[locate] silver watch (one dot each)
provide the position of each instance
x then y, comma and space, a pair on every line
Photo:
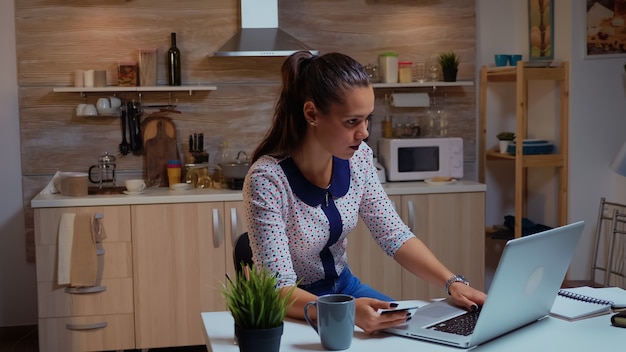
453, 279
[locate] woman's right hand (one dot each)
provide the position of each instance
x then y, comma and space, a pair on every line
370, 320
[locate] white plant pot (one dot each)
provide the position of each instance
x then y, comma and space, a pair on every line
503, 146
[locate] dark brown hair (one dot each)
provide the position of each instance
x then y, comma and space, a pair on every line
324, 80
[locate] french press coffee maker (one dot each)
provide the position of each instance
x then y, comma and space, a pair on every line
106, 171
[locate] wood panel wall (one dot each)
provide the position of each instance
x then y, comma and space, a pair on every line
56, 37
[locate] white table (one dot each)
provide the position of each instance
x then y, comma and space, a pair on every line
549, 334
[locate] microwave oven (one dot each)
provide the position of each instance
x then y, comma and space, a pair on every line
416, 159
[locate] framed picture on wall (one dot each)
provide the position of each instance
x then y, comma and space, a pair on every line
541, 33
605, 28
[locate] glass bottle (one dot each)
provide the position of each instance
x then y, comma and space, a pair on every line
223, 155
173, 63
437, 118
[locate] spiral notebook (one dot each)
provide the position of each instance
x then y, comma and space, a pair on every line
585, 302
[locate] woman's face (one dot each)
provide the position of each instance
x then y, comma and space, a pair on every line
342, 130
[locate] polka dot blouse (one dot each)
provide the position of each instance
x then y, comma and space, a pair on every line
288, 227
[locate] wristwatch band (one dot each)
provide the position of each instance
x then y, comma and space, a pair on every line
453, 279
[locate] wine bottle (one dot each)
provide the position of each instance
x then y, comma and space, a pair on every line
173, 63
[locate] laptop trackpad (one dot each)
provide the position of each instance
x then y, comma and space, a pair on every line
435, 312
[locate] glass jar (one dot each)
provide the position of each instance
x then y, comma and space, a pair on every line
438, 123
405, 71
407, 130
372, 71
197, 175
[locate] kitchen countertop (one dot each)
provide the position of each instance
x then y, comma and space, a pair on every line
164, 195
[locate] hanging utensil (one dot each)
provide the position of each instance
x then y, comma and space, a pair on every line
137, 131
124, 146
130, 112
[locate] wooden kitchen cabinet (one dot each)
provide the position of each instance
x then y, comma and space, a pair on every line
178, 260
451, 225
158, 280
85, 321
180, 255
165, 264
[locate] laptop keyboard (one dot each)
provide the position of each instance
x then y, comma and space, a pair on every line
460, 325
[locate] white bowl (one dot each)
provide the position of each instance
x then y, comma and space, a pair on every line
180, 186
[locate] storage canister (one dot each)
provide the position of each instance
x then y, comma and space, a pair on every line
405, 71
148, 67
388, 63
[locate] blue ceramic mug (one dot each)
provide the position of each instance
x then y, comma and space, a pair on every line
502, 59
514, 59
335, 320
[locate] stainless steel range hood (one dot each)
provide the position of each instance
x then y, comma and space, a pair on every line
260, 35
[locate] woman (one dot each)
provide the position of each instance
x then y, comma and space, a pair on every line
312, 177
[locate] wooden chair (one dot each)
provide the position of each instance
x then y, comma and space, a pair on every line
242, 253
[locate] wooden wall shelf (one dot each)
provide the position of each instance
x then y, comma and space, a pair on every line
114, 89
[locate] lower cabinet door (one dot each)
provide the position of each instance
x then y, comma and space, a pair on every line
179, 262
452, 225
88, 333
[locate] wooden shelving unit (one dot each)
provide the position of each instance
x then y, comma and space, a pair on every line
521, 75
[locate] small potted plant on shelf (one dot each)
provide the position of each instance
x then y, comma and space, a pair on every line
257, 308
505, 139
449, 62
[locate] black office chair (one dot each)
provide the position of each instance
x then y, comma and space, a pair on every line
242, 253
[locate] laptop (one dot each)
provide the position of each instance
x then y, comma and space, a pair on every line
524, 287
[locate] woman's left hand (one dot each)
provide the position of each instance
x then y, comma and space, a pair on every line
368, 317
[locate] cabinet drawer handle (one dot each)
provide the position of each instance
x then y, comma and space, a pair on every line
100, 325
82, 290
411, 215
234, 231
218, 230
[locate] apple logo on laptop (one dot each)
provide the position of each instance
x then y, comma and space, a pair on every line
533, 281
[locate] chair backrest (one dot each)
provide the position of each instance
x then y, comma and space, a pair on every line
616, 264
242, 253
605, 262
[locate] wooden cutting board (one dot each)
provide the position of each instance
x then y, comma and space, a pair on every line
159, 150
149, 127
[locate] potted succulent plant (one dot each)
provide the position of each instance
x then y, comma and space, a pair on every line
505, 139
257, 308
449, 62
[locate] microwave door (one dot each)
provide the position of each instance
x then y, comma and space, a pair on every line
419, 159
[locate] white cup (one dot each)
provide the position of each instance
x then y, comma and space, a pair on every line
79, 78
88, 78
86, 110
80, 109
103, 103
116, 102
135, 185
